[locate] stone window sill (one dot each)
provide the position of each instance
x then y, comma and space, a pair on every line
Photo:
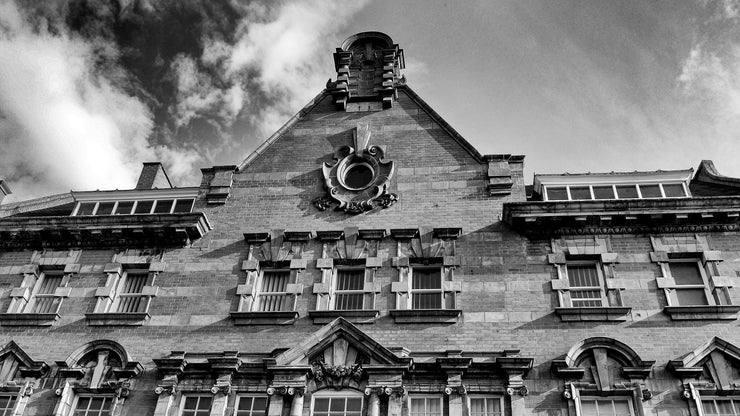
424, 316
117, 318
702, 312
28, 319
357, 316
603, 313
264, 318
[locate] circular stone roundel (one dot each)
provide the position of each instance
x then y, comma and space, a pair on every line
358, 179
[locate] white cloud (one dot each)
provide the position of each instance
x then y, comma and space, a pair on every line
287, 47
63, 125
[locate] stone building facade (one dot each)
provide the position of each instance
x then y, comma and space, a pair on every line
366, 260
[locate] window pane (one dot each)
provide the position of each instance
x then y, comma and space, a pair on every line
321, 405
650, 191
673, 191
427, 301
585, 298
183, 205
426, 279
86, 208
205, 403
105, 208
164, 206
691, 297
349, 301
627, 191
350, 279
603, 192
144, 207
686, 273
354, 404
580, 192
583, 275
124, 207
557, 194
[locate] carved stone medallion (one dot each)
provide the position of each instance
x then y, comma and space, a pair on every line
358, 180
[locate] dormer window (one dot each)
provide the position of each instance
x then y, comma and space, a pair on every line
636, 185
136, 202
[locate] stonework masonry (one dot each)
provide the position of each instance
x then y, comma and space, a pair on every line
205, 322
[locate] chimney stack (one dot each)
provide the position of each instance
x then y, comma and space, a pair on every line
153, 176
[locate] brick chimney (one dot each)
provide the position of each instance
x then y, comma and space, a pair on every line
153, 176
4, 190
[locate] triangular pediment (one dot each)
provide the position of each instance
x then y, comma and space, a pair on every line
14, 362
716, 362
340, 343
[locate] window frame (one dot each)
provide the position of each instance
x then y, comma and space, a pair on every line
78, 396
600, 276
13, 399
498, 398
438, 397
615, 194
345, 393
257, 305
413, 292
588, 397
114, 211
252, 396
714, 397
120, 295
702, 273
185, 396
335, 292
31, 306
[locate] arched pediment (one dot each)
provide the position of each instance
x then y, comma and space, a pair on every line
100, 361
603, 362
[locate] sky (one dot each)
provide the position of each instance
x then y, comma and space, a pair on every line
90, 89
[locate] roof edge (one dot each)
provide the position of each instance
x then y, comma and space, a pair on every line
444, 124
707, 173
262, 148
36, 204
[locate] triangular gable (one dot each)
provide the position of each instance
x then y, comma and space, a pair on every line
717, 358
14, 359
454, 134
339, 343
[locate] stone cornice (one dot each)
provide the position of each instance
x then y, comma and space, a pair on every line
97, 231
625, 216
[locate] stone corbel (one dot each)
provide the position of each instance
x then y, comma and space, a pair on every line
499, 176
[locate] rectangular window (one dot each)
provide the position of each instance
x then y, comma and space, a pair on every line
720, 407
586, 284
250, 406
144, 207
485, 406
337, 406
650, 191
580, 192
691, 282
86, 208
7, 404
674, 191
129, 293
124, 207
44, 299
349, 294
426, 288
105, 208
183, 205
627, 191
196, 406
164, 206
557, 193
426, 406
93, 406
607, 406
603, 192
273, 296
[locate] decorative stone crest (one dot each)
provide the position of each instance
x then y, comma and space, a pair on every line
337, 375
358, 180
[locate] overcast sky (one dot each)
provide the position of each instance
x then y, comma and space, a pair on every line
90, 89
